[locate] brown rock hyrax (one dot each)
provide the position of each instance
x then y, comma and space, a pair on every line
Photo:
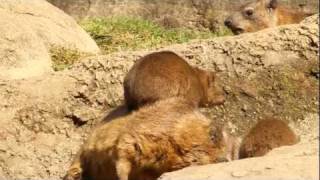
265, 136
164, 74
262, 14
161, 137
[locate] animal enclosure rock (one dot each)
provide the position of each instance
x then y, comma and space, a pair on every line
287, 163
29, 29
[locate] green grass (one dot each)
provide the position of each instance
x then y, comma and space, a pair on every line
125, 33
63, 58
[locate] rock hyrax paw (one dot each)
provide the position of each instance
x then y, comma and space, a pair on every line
73, 174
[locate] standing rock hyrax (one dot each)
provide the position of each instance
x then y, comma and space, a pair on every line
265, 136
165, 136
262, 14
164, 74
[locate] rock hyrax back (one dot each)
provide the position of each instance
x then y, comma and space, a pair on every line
165, 136
265, 136
164, 74
262, 14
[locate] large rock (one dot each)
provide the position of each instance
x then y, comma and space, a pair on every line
22, 51
299, 162
28, 30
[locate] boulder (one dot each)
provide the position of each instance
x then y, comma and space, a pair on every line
298, 162
28, 30
22, 51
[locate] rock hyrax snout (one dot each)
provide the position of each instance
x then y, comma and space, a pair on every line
262, 14
161, 137
266, 135
164, 74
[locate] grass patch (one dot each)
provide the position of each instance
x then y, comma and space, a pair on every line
126, 33
63, 57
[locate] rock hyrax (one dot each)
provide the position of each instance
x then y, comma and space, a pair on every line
164, 74
165, 136
262, 14
265, 136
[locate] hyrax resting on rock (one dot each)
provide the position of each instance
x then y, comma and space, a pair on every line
263, 14
164, 74
266, 135
164, 136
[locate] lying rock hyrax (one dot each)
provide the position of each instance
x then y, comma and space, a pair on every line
164, 74
162, 137
265, 136
263, 14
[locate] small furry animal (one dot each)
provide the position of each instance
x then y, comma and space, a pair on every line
165, 136
262, 14
266, 135
164, 74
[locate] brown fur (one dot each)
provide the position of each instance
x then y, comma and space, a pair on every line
165, 136
118, 112
263, 14
164, 74
265, 136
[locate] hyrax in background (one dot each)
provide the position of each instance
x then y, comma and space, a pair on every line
164, 74
165, 136
262, 14
266, 135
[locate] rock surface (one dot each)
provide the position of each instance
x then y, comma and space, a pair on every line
45, 119
28, 30
289, 165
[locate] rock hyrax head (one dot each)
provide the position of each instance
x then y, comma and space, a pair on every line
213, 93
253, 16
266, 135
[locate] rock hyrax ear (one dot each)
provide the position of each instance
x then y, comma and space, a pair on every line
217, 135
266, 135
273, 4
